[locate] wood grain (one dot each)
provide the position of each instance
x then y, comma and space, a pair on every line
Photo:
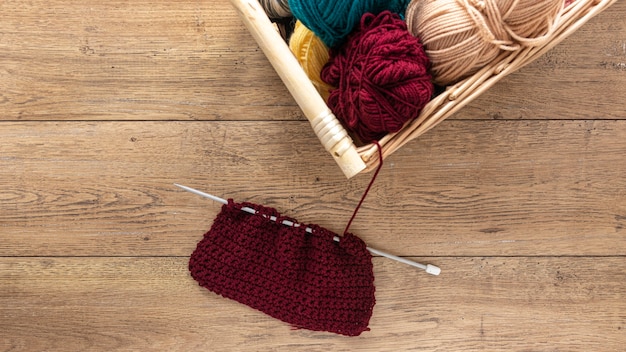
123, 304
193, 60
520, 198
471, 188
168, 60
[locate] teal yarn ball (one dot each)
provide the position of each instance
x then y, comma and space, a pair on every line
333, 20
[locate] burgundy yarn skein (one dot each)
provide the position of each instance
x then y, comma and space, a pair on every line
382, 77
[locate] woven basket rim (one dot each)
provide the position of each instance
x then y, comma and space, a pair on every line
456, 96
352, 159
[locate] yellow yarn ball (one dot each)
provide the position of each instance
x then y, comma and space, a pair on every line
312, 54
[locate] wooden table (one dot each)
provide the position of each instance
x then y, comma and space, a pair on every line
520, 198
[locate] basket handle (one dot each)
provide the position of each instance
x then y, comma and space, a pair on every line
328, 129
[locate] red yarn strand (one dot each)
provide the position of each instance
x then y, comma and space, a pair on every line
369, 186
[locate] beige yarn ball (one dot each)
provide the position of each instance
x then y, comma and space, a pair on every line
462, 36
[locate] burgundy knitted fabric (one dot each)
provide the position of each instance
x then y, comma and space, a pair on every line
305, 279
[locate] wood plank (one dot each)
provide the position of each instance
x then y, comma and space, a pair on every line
495, 304
98, 102
193, 60
478, 188
93, 60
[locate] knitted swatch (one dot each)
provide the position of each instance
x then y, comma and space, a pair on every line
305, 279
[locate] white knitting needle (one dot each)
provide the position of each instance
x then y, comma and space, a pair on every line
429, 268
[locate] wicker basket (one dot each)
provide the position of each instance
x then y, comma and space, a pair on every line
352, 159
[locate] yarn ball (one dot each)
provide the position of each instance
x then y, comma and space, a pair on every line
333, 20
312, 54
382, 75
462, 36
276, 9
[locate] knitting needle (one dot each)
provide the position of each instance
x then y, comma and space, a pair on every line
429, 268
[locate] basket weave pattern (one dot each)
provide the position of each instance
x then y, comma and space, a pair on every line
445, 104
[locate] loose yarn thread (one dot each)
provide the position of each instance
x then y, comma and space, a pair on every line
333, 20
462, 36
312, 54
382, 77
369, 187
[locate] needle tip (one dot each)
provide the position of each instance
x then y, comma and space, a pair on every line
433, 270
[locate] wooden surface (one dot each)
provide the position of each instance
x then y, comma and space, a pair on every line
520, 198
